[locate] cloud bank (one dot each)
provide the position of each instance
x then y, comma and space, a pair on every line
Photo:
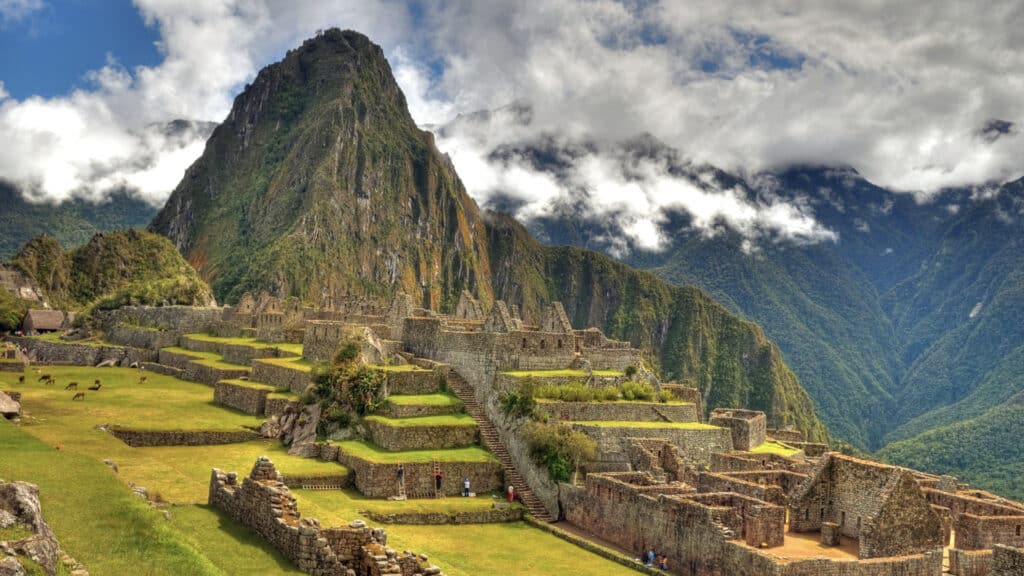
918, 96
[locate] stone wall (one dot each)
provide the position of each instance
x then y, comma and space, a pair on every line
276, 406
394, 410
619, 411
197, 371
244, 355
1007, 561
178, 360
263, 503
176, 319
43, 352
140, 337
983, 532
321, 339
970, 562
786, 435
377, 480
411, 381
697, 443
136, 438
292, 379
248, 399
400, 438
712, 482
749, 428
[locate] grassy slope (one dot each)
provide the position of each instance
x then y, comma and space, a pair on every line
445, 420
374, 453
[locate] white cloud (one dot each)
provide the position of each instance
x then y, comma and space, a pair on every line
14, 10
906, 94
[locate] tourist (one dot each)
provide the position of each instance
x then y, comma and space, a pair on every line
664, 563
511, 493
650, 558
465, 487
401, 474
438, 476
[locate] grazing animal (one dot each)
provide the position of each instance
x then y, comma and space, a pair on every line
21, 379
95, 386
96, 382
142, 379
45, 377
79, 396
72, 386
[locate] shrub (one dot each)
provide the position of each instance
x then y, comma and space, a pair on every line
608, 393
348, 351
665, 396
630, 371
559, 448
517, 405
637, 391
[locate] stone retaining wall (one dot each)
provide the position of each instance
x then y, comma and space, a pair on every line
11, 365
411, 382
393, 410
492, 516
162, 369
137, 438
619, 411
178, 360
197, 345
248, 399
209, 375
970, 562
400, 438
139, 337
71, 354
281, 377
244, 355
178, 319
1007, 561
698, 443
381, 480
298, 482
277, 406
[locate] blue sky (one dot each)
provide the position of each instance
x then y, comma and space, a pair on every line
49, 52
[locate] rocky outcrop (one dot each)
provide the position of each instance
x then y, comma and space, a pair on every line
9, 407
20, 507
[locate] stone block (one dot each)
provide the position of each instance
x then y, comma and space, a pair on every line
829, 534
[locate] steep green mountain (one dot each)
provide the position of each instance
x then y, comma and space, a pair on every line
111, 270
72, 223
320, 183
985, 450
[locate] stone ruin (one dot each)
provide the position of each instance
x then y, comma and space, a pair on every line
20, 508
262, 502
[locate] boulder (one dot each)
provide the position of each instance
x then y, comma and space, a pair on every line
21, 500
9, 408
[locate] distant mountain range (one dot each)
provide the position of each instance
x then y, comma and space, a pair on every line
907, 328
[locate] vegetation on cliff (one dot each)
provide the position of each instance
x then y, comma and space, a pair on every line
111, 270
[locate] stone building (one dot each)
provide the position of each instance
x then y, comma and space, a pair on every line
749, 428
881, 507
43, 321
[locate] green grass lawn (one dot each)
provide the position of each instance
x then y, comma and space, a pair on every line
444, 420
621, 401
773, 447
567, 373
424, 400
345, 505
303, 364
373, 453
287, 347
626, 424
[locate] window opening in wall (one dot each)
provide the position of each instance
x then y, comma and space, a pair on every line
541, 344
842, 521
524, 343
858, 522
821, 514
807, 514
559, 343
1018, 530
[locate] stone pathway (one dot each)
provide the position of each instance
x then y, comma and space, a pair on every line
489, 437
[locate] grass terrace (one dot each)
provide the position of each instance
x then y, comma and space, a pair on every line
658, 425
445, 420
254, 385
424, 400
567, 373
296, 363
344, 505
374, 453
288, 347
193, 353
774, 447
220, 364
398, 368
55, 338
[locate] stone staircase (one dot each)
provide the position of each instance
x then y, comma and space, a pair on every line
491, 441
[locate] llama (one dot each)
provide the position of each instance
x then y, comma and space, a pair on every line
79, 396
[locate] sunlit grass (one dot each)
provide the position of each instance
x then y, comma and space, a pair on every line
373, 453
